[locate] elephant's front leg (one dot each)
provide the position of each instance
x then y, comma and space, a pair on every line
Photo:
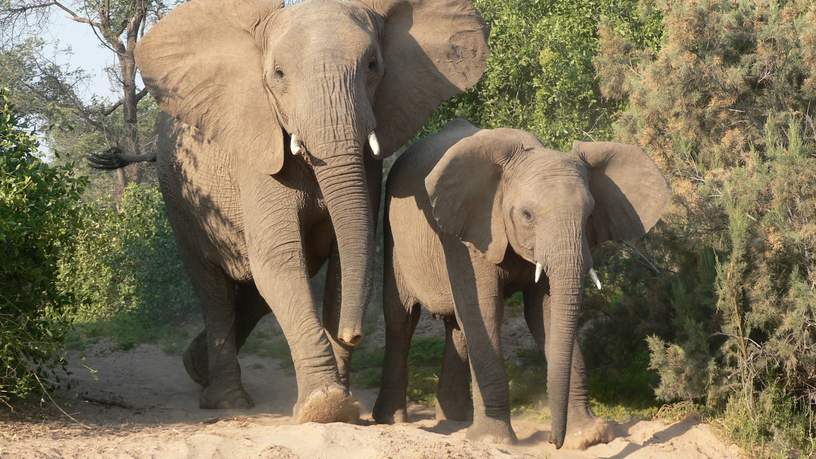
584, 429
479, 305
276, 257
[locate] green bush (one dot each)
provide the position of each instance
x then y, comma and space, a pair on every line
124, 273
725, 107
39, 206
540, 75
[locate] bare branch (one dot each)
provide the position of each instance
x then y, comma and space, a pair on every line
101, 26
72, 15
112, 108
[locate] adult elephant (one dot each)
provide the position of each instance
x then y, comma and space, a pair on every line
268, 163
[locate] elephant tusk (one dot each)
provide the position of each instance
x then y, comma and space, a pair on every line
295, 145
538, 270
594, 276
374, 144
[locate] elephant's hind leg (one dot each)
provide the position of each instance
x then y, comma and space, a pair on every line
401, 317
453, 401
196, 361
217, 292
251, 308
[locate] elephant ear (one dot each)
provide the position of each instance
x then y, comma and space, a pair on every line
433, 50
465, 187
630, 192
202, 64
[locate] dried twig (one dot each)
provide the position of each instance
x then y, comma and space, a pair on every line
106, 401
48, 394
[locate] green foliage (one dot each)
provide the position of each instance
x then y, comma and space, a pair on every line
123, 273
770, 423
424, 364
540, 75
725, 108
39, 205
269, 342
366, 367
617, 391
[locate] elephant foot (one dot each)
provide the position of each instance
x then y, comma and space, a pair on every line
389, 411
585, 430
195, 360
329, 404
492, 431
234, 398
454, 408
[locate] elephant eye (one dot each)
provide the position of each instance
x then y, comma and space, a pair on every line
372, 66
527, 215
279, 73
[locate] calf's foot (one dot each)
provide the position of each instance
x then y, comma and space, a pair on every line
388, 409
491, 430
454, 408
584, 429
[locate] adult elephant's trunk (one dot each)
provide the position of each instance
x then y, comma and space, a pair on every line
566, 263
342, 180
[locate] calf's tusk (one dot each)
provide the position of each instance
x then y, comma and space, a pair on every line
538, 270
374, 144
594, 276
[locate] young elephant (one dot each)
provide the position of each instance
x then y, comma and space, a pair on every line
475, 215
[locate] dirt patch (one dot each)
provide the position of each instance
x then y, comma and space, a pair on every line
140, 403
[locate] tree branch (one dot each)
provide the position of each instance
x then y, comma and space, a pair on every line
73, 100
72, 15
112, 108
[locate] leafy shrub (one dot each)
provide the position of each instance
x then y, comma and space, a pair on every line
540, 75
725, 108
124, 269
39, 205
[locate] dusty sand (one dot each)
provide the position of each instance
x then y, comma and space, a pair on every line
140, 403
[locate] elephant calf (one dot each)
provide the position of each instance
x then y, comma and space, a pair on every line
473, 216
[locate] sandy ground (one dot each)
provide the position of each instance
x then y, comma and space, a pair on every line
140, 403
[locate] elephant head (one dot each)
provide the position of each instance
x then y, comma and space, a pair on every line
322, 80
501, 187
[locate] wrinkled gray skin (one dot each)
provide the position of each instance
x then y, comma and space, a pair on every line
254, 221
469, 213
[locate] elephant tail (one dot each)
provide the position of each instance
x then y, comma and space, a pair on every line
114, 158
